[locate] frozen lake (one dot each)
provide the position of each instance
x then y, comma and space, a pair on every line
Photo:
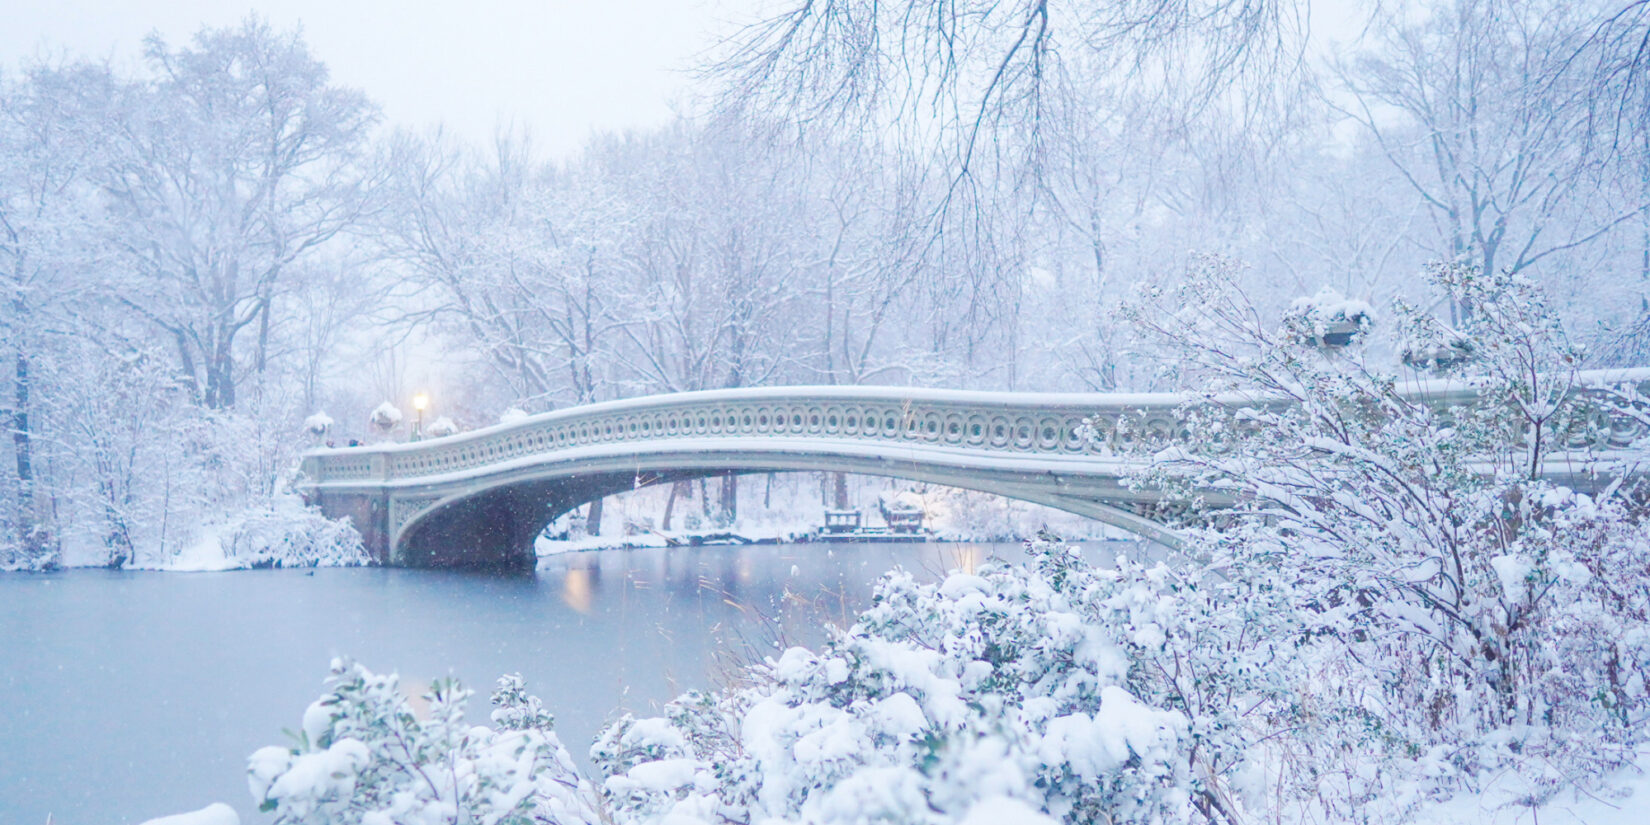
131, 694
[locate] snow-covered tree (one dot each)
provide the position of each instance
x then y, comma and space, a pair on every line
1478, 616
1487, 108
235, 160
509, 259
52, 134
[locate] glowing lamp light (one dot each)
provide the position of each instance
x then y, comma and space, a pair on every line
421, 402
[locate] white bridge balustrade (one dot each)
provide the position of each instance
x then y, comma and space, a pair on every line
478, 499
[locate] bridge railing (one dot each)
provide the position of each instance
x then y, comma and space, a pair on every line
1047, 424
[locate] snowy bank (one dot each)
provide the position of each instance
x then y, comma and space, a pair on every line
785, 506
216, 813
283, 534
1623, 800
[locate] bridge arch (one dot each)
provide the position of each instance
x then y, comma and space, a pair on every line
493, 521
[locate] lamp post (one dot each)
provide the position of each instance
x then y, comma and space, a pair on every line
421, 402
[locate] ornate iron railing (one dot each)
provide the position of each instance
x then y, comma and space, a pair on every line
1009, 424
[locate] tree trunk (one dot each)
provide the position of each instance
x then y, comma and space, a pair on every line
186, 362
220, 380
1644, 269
118, 538
670, 503
841, 491
22, 443
263, 348
730, 499
29, 536
593, 519
263, 336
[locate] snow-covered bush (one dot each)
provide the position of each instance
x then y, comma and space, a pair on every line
1462, 614
1058, 690
512, 415
441, 428
285, 535
128, 466
1426, 343
31, 549
364, 755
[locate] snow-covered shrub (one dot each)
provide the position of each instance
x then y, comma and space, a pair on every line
291, 536
364, 755
131, 465
512, 415
1462, 614
441, 428
31, 549
1058, 690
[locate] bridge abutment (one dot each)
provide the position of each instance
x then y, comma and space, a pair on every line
369, 512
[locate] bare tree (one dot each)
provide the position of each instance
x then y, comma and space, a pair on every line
238, 158
1485, 112
511, 258
710, 258
1618, 51
976, 77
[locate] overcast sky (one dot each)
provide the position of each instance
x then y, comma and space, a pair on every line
563, 68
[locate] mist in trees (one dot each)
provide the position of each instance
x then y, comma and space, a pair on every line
161, 234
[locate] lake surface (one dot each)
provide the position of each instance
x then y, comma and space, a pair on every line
129, 695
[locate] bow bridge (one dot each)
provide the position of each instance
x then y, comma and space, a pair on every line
479, 499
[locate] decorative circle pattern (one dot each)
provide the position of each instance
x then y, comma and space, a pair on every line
1026, 427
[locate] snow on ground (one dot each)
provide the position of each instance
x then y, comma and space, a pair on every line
1001, 810
764, 533
283, 534
216, 813
1630, 805
1627, 803
787, 505
205, 553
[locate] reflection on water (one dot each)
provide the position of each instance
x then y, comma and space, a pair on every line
575, 589
965, 557
133, 695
